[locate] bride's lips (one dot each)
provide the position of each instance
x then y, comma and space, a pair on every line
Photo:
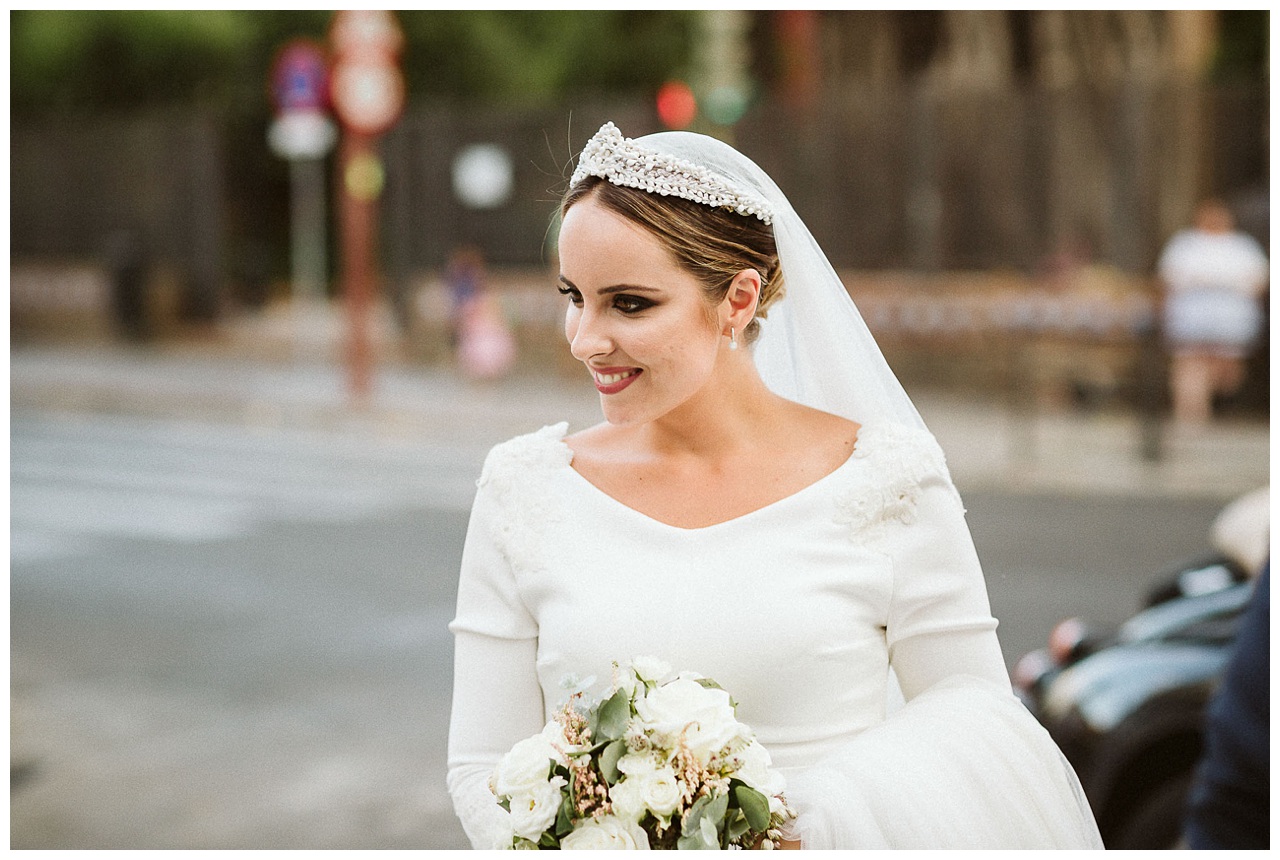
611, 380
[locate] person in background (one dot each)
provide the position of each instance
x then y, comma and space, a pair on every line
1213, 276
463, 277
481, 339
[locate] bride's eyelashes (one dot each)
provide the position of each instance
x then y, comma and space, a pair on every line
625, 303
574, 296
631, 304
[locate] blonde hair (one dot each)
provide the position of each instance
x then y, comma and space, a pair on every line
711, 244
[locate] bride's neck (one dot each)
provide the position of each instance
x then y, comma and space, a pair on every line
726, 415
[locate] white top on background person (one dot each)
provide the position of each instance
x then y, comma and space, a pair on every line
1213, 275
763, 506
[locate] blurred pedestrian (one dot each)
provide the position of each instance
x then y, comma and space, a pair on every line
482, 341
463, 278
1213, 276
1230, 802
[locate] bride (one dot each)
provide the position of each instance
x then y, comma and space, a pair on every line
762, 505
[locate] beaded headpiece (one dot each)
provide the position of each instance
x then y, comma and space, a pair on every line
622, 161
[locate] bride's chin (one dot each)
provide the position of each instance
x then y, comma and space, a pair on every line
624, 416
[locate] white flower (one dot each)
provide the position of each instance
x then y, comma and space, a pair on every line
755, 769
650, 669
535, 810
646, 786
661, 792
625, 681
553, 733
637, 764
704, 715
628, 804
607, 832
526, 767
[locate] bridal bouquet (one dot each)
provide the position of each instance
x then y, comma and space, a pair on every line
653, 764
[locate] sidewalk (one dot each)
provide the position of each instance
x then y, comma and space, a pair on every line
988, 445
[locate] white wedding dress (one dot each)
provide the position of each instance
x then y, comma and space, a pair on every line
800, 610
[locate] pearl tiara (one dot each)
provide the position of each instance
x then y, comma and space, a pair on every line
622, 161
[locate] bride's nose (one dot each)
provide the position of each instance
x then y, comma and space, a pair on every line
588, 336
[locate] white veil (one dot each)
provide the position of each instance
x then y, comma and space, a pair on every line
814, 347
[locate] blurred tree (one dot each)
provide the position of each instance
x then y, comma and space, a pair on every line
1243, 46
541, 55
88, 60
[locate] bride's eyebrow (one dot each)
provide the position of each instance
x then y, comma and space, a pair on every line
616, 288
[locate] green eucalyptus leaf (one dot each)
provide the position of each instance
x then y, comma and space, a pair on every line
717, 809
548, 841
609, 761
754, 805
710, 835
700, 838
736, 826
613, 717
564, 818
689, 824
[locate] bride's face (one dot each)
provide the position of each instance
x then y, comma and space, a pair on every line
640, 323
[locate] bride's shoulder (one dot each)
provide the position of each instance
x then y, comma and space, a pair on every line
897, 462
889, 440
527, 454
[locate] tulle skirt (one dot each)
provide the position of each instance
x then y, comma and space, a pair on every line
963, 765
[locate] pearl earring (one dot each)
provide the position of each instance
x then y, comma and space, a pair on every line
733, 338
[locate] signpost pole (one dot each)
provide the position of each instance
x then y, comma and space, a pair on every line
368, 95
303, 134
360, 188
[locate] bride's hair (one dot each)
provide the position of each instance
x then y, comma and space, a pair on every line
712, 244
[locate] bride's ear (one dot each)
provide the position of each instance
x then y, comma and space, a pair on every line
739, 306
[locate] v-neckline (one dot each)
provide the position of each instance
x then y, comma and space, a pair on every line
581, 479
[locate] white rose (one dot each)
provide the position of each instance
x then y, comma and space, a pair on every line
627, 799
608, 832
637, 764
525, 767
650, 669
535, 810
661, 792
703, 714
755, 769
646, 786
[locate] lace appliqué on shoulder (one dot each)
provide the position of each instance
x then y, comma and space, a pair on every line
515, 473
896, 460
532, 452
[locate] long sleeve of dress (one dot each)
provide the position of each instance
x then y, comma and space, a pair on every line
940, 621
962, 764
496, 697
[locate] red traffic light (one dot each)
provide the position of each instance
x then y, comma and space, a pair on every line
677, 105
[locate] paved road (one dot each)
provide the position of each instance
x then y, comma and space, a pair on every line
234, 637
227, 638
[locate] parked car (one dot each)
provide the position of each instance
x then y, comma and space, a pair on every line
1127, 708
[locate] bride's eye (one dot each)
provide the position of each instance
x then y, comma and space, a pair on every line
631, 304
574, 296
